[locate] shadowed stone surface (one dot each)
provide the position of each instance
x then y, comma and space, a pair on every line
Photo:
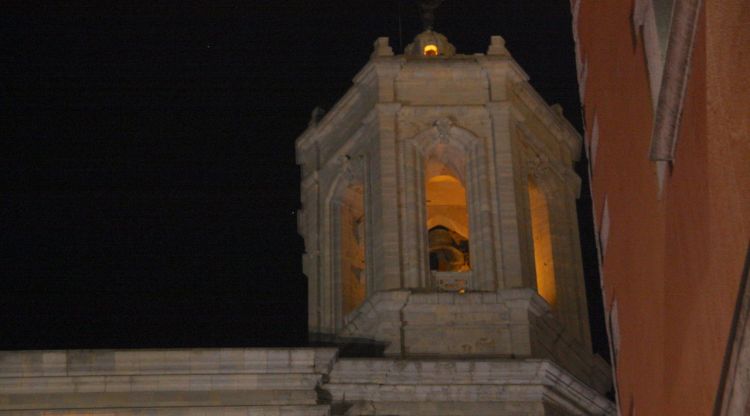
282, 382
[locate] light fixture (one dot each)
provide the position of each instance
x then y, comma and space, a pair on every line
430, 50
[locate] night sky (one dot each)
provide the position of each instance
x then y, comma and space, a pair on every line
149, 186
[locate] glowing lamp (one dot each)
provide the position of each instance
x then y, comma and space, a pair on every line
430, 50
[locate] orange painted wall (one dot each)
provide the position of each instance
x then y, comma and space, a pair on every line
672, 262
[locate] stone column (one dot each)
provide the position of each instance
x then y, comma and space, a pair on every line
387, 247
508, 249
413, 230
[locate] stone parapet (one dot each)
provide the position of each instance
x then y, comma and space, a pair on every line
272, 381
284, 382
461, 387
26, 364
320, 410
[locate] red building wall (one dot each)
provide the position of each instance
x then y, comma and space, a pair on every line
672, 260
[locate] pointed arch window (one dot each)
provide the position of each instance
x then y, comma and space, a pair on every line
352, 247
544, 264
447, 213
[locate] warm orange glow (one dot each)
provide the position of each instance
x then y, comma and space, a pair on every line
446, 204
443, 178
447, 219
430, 50
540, 230
353, 281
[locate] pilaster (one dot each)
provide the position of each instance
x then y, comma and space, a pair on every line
509, 247
387, 247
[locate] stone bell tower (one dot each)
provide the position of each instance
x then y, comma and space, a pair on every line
438, 212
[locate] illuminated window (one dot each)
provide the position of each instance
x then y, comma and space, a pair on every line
430, 50
447, 218
353, 281
540, 231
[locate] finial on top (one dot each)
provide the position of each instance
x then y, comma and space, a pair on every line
382, 48
497, 46
427, 8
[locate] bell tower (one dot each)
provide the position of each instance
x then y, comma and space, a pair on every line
438, 212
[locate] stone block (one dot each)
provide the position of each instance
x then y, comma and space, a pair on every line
90, 362
53, 363
126, 362
230, 358
255, 359
278, 360
204, 360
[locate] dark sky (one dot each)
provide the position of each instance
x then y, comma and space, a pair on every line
148, 180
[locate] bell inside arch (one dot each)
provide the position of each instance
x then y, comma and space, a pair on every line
449, 251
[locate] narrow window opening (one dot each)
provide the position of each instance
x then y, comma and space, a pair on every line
447, 219
353, 279
541, 235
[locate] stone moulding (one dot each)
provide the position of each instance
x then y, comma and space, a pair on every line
255, 381
279, 381
479, 387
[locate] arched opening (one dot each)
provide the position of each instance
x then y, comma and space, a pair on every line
430, 50
352, 238
447, 216
541, 235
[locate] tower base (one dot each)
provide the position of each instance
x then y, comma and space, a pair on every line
513, 323
361, 386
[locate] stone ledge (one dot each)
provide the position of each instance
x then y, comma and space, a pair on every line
435, 392
313, 410
367, 408
134, 383
413, 371
529, 381
188, 361
33, 401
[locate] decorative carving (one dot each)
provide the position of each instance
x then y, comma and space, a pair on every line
445, 132
537, 164
443, 126
351, 166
